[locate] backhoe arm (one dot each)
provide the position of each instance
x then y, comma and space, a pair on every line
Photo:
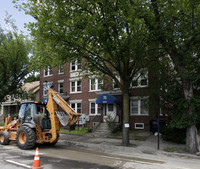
69, 116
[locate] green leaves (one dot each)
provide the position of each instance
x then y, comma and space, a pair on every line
14, 62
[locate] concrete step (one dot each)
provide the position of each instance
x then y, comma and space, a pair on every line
102, 129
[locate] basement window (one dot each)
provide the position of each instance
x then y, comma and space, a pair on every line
139, 125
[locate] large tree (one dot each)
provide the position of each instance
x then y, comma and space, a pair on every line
14, 60
175, 26
106, 34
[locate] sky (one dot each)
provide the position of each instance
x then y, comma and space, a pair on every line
19, 16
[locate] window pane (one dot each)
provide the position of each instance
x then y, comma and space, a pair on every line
79, 66
61, 69
100, 83
135, 83
79, 107
99, 108
78, 86
92, 108
110, 107
73, 65
73, 86
134, 107
144, 106
45, 72
92, 84
60, 87
50, 71
143, 82
73, 105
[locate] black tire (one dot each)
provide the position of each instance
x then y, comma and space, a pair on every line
26, 138
4, 138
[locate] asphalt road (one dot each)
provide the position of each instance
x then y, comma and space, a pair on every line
65, 156
57, 157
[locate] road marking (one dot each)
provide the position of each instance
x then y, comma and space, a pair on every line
16, 163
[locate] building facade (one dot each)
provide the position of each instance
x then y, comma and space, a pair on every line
12, 104
81, 93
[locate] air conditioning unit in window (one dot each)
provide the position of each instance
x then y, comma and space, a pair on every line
139, 125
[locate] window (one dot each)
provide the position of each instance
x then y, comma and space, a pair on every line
76, 106
60, 86
46, 86
94, 108
48, 71
139, 106
96, 84
110, 107
61, 69
75, 65
115, 86
141, 79
75, 86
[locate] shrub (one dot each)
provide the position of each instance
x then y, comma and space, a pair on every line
174, 135
113, 126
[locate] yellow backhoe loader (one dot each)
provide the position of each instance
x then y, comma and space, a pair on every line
38, 122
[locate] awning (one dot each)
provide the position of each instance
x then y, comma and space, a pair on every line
45, 100
106, 98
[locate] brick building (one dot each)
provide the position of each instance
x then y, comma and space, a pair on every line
81, 93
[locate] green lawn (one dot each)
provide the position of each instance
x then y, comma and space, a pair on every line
76, 131
1, 123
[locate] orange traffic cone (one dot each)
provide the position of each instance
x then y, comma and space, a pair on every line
36, 162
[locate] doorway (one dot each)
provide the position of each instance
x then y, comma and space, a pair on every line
109, 110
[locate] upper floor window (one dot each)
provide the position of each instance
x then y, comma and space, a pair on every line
75, 65
75, 86
96, 84
46, 86
61, 69
141, 79
115, 86
139, 106
60, 86
48, 71
94, 108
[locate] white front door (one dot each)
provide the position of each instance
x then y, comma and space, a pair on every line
109, 111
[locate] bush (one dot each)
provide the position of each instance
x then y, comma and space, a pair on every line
113, 126
174, 135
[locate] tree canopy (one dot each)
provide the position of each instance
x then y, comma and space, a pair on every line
14, 61
175, 26
107, 35
115, 37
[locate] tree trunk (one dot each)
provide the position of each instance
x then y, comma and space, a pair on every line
191, 146
125, 136
191, 139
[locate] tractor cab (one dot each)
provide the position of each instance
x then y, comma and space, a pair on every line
29, 109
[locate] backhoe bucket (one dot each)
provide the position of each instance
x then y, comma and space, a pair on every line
63, 118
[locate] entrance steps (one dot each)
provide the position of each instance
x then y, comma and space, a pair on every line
101, 131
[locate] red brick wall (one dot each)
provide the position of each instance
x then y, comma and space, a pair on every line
85, 95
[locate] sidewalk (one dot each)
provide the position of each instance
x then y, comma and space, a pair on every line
113, 145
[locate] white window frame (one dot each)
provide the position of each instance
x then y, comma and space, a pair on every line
76, 86
59, 82
139, 106
96, 84
76, 102
76, 64
142, 127
61, 67
49, 70
46, 85
139, 78
115, 83
96, 107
